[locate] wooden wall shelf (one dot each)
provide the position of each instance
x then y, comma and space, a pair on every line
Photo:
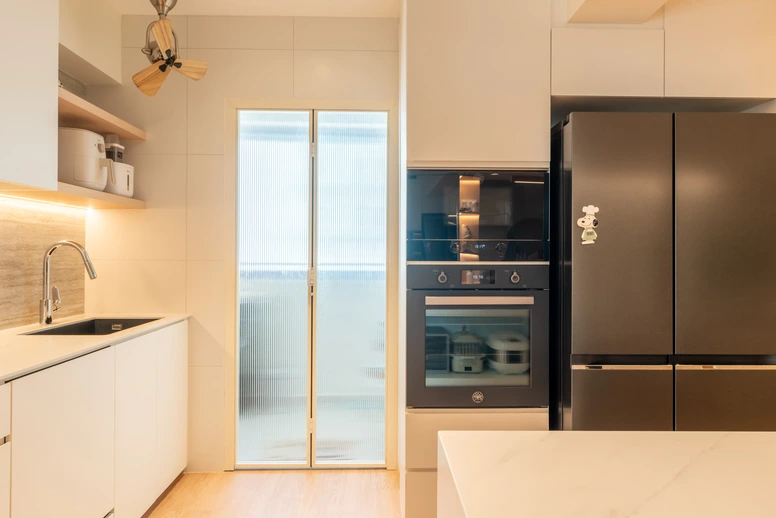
75, 112
75, 196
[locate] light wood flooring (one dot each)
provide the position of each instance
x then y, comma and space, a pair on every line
283, 494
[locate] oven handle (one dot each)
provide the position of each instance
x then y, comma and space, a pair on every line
479, 301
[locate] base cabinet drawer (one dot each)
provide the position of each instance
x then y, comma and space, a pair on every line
62, 440
5, 480
421, 494
622, 398
424, 425
726, 398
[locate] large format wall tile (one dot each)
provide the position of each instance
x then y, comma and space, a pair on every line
163, 117
205, 212
137, 287
346, 75
241, 32
249, 74
156, 233
205, 293
206, 419
346, 34
133, 29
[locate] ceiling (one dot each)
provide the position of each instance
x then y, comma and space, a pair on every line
345, 8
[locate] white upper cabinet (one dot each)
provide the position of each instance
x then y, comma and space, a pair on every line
28, 104
478, 83
607, 62
62, 446
720, 48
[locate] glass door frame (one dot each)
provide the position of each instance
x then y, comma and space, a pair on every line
233, 107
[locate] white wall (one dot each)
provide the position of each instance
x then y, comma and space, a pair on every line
170, 257
90, 40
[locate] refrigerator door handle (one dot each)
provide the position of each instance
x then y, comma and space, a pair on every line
479, 301
622, 367
726, 367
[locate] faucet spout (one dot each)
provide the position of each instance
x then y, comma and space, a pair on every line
47, 303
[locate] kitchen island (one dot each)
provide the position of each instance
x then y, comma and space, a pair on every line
606, 474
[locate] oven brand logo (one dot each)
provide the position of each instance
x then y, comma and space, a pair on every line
478, 397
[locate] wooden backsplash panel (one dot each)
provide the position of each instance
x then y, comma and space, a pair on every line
27, 229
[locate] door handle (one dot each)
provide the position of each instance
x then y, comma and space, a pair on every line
726, 367
479, 301
621, 367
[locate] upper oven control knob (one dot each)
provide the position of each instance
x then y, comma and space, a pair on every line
442, 278
515, 278
455, 247
501, 248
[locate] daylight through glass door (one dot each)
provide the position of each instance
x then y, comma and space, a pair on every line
312, 197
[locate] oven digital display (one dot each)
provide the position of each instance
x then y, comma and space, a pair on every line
478, 277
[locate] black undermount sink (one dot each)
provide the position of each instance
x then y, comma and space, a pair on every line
95, 326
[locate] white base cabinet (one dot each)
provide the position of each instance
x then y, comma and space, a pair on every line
62, 445
151, 417
172, 381
5, 480
422, 429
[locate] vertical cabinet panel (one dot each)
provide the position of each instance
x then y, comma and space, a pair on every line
136, 423
5, 410
63, 440
5, 480
421, 496
171, 403
725, 252
622, 286
732, 398
629, 398
478, 81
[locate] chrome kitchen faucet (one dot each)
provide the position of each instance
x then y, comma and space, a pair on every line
47, 304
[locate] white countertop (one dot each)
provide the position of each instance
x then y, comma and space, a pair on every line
606, 474
24, 354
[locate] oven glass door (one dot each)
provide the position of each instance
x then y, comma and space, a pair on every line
482, 346
477, 216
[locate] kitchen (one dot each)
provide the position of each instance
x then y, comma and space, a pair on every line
427, 153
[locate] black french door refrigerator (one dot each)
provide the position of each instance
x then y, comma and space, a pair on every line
662, 285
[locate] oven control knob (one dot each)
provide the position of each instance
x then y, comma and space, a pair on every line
455, 247
442, 278
515, 278
501, 248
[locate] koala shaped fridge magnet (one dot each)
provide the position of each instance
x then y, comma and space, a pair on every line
589, 223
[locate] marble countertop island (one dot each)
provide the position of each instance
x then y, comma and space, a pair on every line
606, 474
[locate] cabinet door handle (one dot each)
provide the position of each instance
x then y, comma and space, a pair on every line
726, 367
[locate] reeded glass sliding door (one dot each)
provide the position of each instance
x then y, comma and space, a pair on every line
312, 288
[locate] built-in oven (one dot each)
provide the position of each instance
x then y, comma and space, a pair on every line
474, 216
478, 335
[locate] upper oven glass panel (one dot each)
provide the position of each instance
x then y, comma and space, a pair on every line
477, 216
